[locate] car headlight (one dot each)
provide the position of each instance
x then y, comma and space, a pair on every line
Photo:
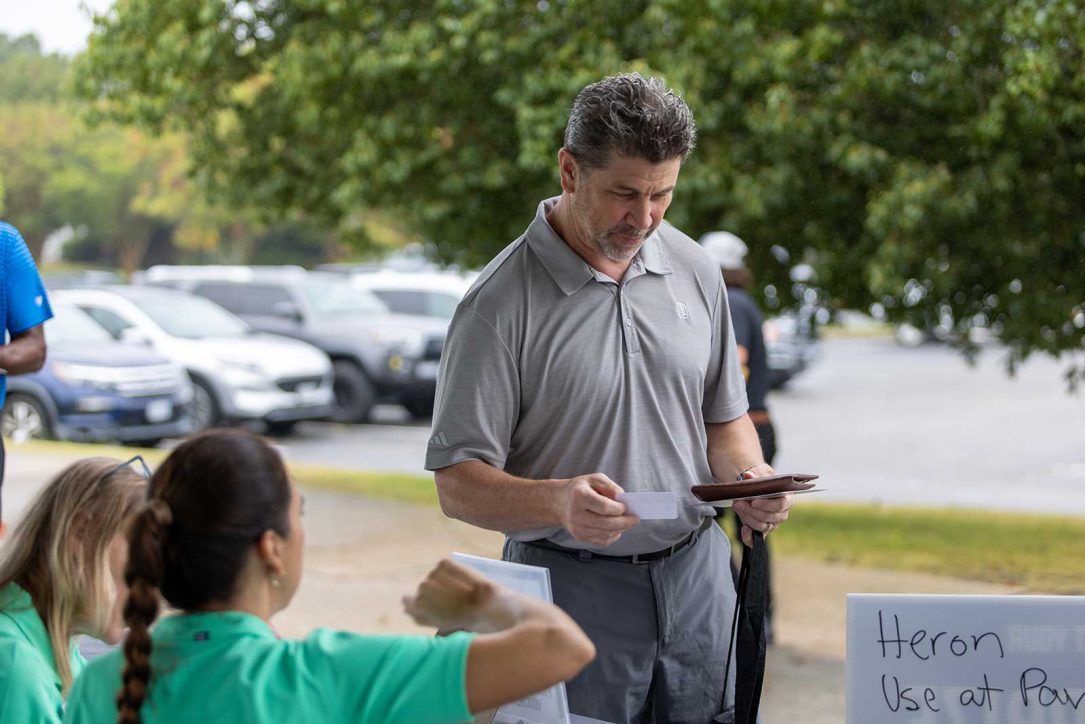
409, 342
246, 375
101, 378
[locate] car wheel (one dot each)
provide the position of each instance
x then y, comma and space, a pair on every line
24, 418
204, 410
353, 393
420, 406
281, 427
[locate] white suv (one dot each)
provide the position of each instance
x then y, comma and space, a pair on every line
237, 373
428, 293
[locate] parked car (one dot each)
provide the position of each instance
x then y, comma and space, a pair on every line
430, 293
377, 356
93, 388
791, 344
791, 336
80, 278
237, 372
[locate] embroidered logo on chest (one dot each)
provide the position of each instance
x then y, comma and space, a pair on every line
682, 309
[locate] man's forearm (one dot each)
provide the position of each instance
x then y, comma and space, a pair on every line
482, 495
732, 448
25, 353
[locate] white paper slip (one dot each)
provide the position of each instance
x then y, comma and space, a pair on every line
651, 506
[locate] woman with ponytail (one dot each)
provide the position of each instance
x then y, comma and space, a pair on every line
221, 539
61, 574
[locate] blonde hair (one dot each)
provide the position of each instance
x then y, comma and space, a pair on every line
58, 552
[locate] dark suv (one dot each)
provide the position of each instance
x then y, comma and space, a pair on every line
377, 356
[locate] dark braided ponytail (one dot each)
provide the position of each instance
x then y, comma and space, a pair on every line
143, 575
209, 502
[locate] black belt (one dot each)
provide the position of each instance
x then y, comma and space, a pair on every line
635, 559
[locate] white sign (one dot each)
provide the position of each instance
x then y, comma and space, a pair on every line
965, 659
547, 707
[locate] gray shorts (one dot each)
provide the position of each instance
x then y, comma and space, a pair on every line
661, 630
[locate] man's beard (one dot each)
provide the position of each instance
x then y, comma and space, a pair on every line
620, 252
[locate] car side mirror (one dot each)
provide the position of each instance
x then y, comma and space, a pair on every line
131, 335
286, 310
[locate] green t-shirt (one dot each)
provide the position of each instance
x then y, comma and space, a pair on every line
231, 667
30, 689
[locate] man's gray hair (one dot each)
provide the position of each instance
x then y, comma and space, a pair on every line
633, 116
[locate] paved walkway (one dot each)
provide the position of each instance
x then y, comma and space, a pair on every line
363, 554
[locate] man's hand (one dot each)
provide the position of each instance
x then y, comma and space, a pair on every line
761, 514
590, 512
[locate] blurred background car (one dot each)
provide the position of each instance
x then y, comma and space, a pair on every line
427, 293
791, 334
80, 278
95, 389
377, 355
237, 372
791, 344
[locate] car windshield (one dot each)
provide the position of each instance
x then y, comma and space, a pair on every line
71, 325
341, 300
189, 316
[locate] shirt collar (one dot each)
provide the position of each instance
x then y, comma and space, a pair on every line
651, 255
18, 606
189, 629
568, 270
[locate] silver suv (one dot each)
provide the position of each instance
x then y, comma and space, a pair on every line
377, 356
237, 373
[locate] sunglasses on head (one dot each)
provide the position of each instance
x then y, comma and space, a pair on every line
143, 468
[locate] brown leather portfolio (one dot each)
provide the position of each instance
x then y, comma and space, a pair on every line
754, 487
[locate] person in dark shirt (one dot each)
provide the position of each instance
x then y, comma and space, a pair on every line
729, 251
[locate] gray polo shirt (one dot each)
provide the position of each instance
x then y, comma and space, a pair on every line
552, 370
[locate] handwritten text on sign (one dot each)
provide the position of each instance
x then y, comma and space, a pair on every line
965, 659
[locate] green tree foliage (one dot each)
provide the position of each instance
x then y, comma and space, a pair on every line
116, 186
33, 142
926, 156
27, 74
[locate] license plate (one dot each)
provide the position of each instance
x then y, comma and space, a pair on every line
426, 370
158, 410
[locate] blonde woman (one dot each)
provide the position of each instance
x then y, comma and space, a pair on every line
61, 574
221, 539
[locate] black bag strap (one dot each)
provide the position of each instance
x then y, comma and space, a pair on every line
747, 644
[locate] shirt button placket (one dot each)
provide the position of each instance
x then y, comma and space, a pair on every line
632, 344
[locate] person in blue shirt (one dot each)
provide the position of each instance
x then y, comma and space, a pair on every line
24, 307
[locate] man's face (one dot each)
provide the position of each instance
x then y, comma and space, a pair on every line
617, 206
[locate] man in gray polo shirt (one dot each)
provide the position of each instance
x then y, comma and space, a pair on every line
593, 356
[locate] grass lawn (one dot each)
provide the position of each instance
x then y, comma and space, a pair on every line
1042, 553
